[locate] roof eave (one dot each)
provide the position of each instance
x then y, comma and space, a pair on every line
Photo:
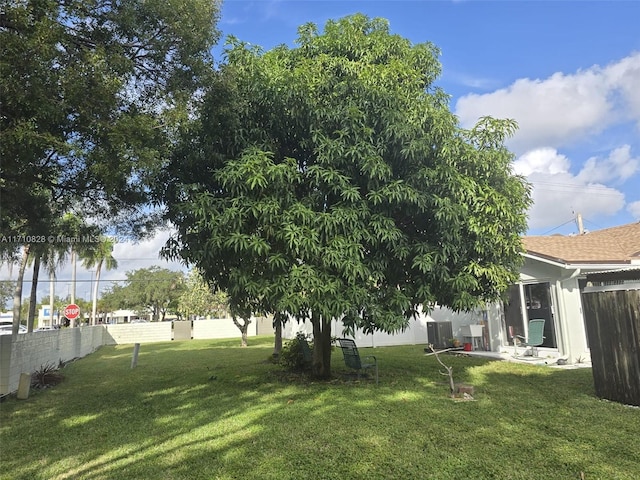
557, 262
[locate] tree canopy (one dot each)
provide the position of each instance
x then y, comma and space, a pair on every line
152, 290
199, 299
92, 93
6, 292
331, 180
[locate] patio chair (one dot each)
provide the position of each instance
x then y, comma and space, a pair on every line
535, 336
352, 357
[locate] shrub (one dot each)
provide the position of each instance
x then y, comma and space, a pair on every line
292, 355
47, 376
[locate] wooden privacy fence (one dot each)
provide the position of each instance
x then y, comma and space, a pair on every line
612, 316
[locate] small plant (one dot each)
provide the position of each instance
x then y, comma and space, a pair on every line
447, 373
454, 342
293, 357
47, 376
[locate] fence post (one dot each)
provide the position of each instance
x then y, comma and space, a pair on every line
134, 359
23, 386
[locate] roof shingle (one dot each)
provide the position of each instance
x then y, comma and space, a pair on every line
611, 245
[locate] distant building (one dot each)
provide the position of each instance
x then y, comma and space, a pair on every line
127, 316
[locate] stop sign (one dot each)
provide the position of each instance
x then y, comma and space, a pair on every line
71, 311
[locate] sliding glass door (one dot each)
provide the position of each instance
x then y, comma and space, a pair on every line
513, 315
527, 302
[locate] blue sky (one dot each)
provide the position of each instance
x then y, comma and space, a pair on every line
568, 72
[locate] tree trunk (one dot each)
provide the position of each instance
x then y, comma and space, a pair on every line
243, 327
17, 293
52, 295
277, 344
95, 294
321, 367
33, 299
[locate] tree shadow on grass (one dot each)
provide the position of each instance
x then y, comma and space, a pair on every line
552, 417
169, 419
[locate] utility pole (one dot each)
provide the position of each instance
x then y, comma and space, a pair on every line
52, 295
73, 280
73, 274
580, 225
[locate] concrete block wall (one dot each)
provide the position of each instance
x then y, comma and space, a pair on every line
138, 333
30, 351
416, 333
264, 325
5, 363
220, 328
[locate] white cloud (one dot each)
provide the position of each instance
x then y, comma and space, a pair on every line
483, 83
634, 209
134, 256
625, 76
558, 194
562, 108
619, 166
543, 160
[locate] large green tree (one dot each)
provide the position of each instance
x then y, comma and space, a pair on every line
331, 181
200, 299
113, 298
91, 95
152, 290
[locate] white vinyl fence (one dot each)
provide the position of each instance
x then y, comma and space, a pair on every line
414, 334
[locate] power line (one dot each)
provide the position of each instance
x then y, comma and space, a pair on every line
555, 228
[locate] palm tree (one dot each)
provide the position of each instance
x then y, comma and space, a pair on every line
98, 255
17, 294
53, 255
35, 258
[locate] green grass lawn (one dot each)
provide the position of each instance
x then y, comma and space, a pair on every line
168, 419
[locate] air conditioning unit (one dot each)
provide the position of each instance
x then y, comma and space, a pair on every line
439, 333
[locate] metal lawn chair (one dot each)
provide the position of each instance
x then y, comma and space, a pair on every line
535, 336
352, 357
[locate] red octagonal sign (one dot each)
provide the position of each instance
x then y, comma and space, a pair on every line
71, 311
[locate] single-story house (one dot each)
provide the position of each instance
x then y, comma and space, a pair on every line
550, 286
